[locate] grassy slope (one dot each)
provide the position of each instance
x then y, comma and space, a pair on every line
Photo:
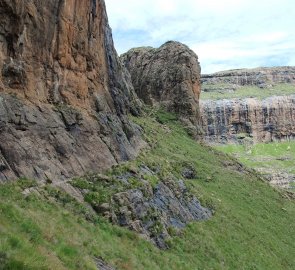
253, 225
267, 157
248, 91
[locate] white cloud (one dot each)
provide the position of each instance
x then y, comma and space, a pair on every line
225, 34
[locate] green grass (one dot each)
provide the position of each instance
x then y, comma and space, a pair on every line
217, 91
252, 227
278, 156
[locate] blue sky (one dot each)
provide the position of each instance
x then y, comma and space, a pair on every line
225, 34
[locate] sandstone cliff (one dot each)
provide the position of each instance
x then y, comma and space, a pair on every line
271, 119
168, 76
64, 95
261, 77
266, 118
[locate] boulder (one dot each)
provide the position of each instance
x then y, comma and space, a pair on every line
168, 77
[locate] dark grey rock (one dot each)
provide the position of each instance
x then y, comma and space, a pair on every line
189, 173
102, 265
59, 143
169, 205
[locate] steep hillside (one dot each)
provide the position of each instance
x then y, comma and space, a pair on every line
276, 161
105, 182
64, 95
252, 226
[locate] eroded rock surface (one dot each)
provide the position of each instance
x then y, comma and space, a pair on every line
64, 95
168, 76
156, 212
271, 119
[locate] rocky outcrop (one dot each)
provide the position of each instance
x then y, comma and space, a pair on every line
64, 95
156, 212
230, 80
101, 265
271, 119
279, 178
168, 76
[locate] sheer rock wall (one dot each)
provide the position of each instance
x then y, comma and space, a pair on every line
64, 96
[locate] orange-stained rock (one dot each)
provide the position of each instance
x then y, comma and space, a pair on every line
58, 52
64, 95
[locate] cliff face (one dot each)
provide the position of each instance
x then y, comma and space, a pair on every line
261, 77
268, 120
64, 95
168, 76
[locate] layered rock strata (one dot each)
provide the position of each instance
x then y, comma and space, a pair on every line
168, 77
230, 80
64, 95
271, 119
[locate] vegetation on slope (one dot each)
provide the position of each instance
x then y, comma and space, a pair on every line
252, 226
216, 92
267, 158
276, 155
